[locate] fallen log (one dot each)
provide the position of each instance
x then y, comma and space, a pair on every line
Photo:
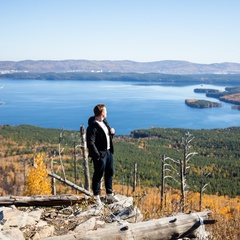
168, 228
73, 185
55, 200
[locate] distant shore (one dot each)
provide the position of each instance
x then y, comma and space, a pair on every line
230, 95
150, 78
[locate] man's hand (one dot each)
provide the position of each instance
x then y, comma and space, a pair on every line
112, 130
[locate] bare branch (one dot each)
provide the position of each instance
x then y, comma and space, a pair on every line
205, 187
169, 165
168, 176
171, 159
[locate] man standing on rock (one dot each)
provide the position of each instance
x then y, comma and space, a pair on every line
100, 147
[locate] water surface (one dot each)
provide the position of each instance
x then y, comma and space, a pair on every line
68, 104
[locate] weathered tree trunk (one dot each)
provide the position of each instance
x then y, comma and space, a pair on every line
75, 161
163, 182
184, 167
134, 177
53, 180
168, 228
41, 200
83, 190
60, 155
85, 159
182, 178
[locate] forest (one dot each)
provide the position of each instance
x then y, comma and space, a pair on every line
216, 161
160, 78
212, 179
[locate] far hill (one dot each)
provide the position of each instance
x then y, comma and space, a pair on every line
125, 66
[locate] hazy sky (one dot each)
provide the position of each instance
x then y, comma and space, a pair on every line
200, 31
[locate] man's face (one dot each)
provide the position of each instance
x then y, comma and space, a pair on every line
104, 113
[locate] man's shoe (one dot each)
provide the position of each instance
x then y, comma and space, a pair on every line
98, 200
112, 198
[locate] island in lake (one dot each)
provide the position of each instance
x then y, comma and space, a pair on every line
230, 95
201, 103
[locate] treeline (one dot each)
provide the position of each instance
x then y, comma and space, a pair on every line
226, 79
217, 156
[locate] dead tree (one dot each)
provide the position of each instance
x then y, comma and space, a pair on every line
181, 226
184, 167
181, 174
69, 183
167, 167
85, 158
60, 154
134, 177
54, 192
203, 186
75, 139
41, 200
163, 182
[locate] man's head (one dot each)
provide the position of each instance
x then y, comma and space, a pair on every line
100, 111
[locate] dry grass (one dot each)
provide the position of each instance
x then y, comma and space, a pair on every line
224, 209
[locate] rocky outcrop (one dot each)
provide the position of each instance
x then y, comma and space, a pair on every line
113, 221
42, 222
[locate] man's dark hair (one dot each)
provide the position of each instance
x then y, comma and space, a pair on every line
98, 109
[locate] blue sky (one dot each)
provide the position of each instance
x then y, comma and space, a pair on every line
200, 31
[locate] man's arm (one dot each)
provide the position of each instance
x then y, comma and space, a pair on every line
91, 139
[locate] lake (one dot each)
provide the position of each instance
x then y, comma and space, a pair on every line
131, 105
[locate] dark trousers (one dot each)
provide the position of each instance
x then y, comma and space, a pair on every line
103, 167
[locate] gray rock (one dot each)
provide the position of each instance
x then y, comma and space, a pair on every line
42, 223
13, 218
86, 225
44, 232
11, 234
34, 217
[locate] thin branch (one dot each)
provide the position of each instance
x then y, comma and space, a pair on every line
168, 176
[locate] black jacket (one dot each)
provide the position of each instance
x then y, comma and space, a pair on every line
96, 139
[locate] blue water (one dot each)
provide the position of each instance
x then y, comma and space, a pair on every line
130, 105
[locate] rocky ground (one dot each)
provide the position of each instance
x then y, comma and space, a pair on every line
43, 222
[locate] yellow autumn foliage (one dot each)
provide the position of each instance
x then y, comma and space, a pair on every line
38, 182
148, 200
